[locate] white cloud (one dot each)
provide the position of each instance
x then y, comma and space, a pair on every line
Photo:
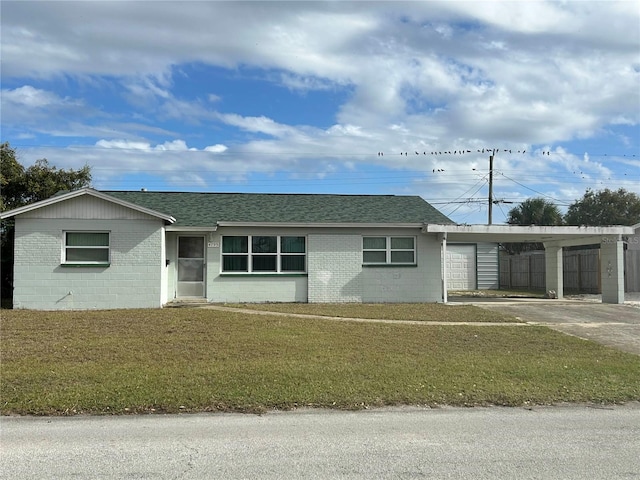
30, 97
257, 124
420, 76
176, 145
216, 148
125, 144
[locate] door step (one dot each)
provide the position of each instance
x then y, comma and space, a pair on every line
186, 302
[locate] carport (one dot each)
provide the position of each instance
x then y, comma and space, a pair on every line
554, 240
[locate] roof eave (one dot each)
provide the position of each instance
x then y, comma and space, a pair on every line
319, 225
190, 228
533, 229
560, 236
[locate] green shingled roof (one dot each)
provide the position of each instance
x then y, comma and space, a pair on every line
205, 209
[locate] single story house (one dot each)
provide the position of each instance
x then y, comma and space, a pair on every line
90, 249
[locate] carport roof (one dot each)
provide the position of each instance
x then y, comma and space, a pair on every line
561, 236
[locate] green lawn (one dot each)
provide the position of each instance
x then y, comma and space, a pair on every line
190, 360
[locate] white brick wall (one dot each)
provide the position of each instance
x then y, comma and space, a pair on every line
335, 265
133, 280
258, 289
422, 283
252, 288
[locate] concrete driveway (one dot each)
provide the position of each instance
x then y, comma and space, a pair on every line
616, 326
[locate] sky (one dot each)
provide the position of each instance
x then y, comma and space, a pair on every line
345, 97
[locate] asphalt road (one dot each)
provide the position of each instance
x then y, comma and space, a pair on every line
406, 443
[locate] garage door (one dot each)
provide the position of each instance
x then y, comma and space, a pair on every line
461, 267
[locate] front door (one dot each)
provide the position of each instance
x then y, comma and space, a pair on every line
191, 267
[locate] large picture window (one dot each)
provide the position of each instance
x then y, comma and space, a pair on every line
264, 254
389, 250
86, 248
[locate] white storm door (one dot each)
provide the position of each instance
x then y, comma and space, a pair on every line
461, 267
191, 266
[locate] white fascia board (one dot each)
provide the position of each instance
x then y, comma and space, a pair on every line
580, 241
85, 191
178, 228
526, 230
319, 225
568, 235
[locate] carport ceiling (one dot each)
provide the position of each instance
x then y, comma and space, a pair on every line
563, 236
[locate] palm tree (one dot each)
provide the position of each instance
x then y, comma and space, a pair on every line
534, 211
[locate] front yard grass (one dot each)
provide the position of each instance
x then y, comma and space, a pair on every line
193, 360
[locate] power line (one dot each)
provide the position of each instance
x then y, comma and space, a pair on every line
528, 188
453, 152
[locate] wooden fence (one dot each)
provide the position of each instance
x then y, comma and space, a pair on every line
581, 271
632, 271
522, 271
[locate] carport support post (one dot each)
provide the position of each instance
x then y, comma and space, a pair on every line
553, 269
612, 269
443, 239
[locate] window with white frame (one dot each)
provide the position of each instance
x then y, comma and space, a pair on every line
389, 250
88, 248
263, 254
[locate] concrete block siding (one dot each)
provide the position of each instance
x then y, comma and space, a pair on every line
335, 264
238, 289
338, 274
133, 279
137, 276
612, 271
335, 271
406, 284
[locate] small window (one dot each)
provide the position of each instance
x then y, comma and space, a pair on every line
389, 250
292, 254
235, 254
86, 248
264, 254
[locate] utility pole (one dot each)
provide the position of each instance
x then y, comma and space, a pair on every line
491, 188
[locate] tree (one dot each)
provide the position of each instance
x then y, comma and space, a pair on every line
20, 186
11, 178
605, 207
533, 211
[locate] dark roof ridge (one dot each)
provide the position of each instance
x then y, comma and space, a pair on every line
264, 193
